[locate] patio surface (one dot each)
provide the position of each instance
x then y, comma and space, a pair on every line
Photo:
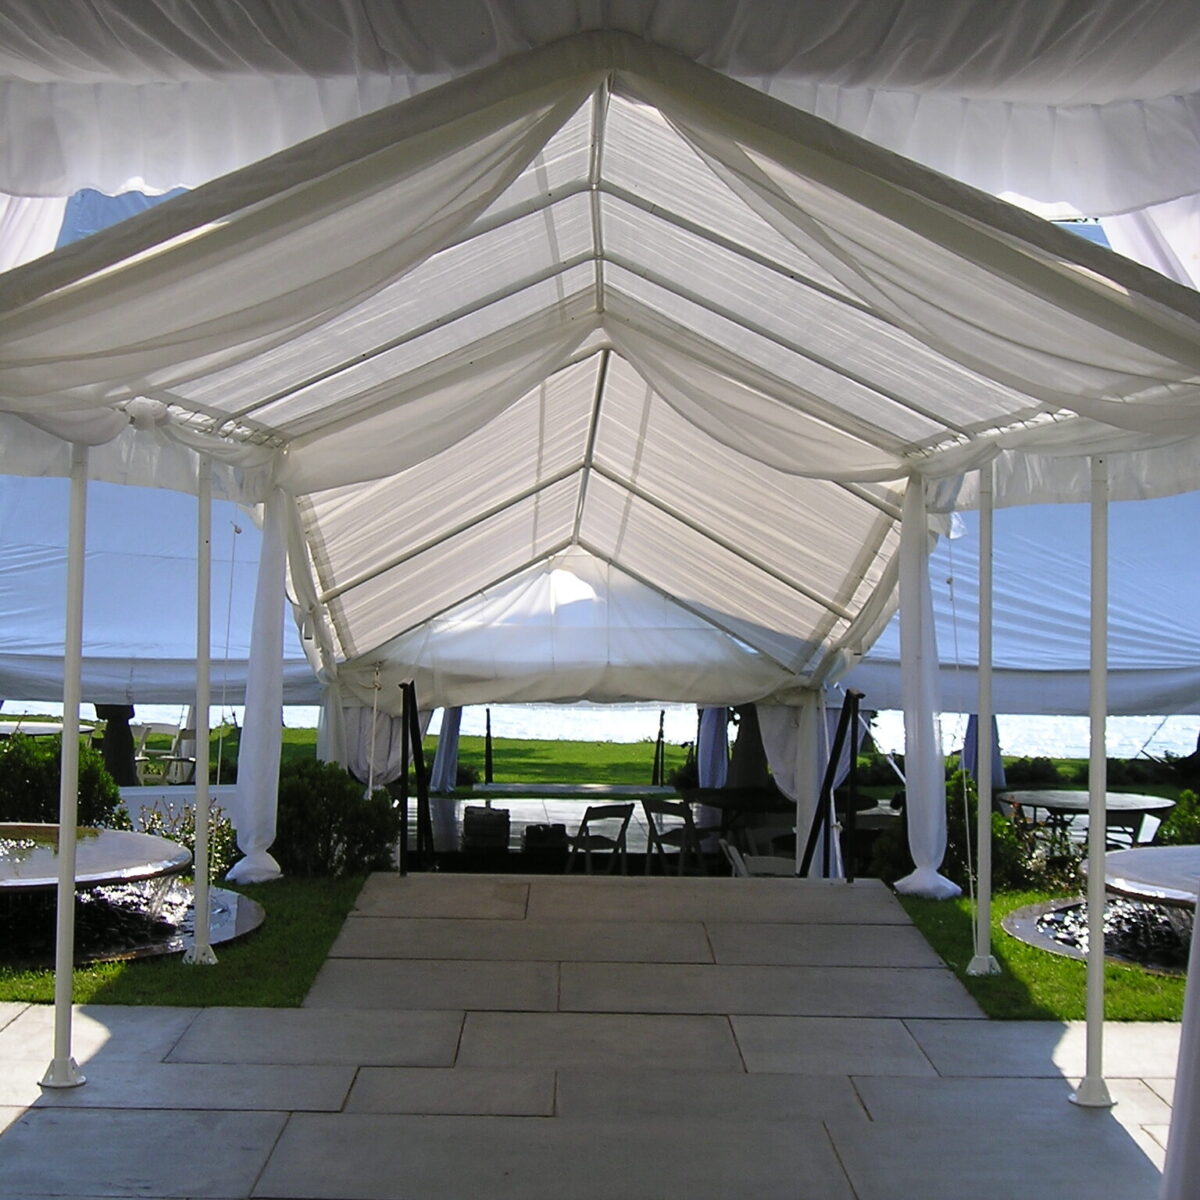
532, 1037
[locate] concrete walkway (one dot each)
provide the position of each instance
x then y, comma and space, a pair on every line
549, 1038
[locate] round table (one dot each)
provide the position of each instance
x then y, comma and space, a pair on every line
1070, 804
29, 857
1156, 874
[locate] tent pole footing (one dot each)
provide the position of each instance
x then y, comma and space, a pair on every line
63, 1073
200, 956
1092, 1092
983, 964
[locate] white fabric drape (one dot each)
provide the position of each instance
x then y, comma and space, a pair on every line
1098, 113
712, 747
970, 752
374, 748
28, 227
443, 776
442, 781
257, 795
1163, 236
924, 764
793, 739
1182, 1168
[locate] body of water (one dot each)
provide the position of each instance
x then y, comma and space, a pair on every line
1026, 736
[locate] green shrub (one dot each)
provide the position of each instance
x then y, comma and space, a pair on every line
30, 775
1024, 856
1182, 826
180, 827
327, 827
1032, 772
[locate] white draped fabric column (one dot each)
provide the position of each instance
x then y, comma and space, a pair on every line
29, 227
924, 763
258, 758
443, 776
63, 1071
792, 739
442, 781
374, 745
712, 747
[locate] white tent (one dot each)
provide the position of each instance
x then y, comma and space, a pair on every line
598, 299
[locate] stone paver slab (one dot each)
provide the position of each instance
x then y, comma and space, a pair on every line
468, 1091
311, 1035
135, 1153
523, 941
717, 1094
992, 1100
1047, 1048
1084, 1156
607, 898
829, 1046
1164, 1088
405, 984
555, 1040
810, 991
10, 1011
486, 897
821, 945
265, 1087
366, 1157
113, 1031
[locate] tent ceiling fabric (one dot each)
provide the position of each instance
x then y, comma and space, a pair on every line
1080, 104
598, 298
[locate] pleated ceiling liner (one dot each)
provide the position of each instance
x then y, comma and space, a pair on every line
597, 297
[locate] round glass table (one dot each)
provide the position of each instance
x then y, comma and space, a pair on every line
29, 857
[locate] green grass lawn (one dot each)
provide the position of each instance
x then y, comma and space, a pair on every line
275, 966
272, 967
1033, 984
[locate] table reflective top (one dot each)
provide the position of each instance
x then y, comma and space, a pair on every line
1162, 874
1061, 800
29, 856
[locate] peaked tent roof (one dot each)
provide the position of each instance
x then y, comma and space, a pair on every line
598, 298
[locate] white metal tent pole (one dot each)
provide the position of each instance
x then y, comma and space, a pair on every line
1092, 1090
63, 1071
200, 952
984, 962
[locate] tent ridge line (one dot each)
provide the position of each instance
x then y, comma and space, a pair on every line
707, 618
875, 436
600, 100
462, 527
370, 657
666, 509
589, 455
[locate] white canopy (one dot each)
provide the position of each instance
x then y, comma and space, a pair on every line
599, 299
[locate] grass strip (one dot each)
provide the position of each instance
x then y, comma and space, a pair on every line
273, 967
1033, 984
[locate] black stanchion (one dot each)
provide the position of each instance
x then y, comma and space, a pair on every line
824, 818
658, 774
487, 749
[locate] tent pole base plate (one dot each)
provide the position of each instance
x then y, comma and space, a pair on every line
63, 1073
1092, 1092
983, 964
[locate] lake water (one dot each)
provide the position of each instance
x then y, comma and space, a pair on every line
1062, 737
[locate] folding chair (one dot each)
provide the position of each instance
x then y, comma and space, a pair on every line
587, 839
685, 836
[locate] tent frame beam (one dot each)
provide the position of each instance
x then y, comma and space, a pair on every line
688, 607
